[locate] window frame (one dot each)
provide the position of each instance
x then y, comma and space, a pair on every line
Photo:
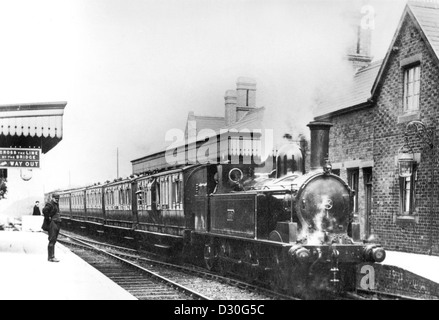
403, 191
412, 87
353, 175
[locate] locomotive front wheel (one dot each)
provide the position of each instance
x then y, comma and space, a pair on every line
209, 257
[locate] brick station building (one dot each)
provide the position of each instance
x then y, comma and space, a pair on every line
27, 131
369, 123
238, 134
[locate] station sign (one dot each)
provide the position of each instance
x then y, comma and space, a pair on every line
20, 158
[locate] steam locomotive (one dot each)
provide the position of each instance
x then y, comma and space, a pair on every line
292, 230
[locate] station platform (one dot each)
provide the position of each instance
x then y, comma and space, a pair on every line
423, 265
25, 273
409, 275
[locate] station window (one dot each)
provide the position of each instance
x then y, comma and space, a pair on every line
407, 188
412, 82
353, 178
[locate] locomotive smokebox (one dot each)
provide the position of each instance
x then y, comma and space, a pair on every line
319, 143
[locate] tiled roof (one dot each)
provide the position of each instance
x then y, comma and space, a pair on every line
427, 15
358, 93
251, 120
213, 123
366, 80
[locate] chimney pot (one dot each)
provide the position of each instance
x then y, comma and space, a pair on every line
230, 107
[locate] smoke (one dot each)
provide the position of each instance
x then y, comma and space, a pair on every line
316, 70
132, 72
323, 222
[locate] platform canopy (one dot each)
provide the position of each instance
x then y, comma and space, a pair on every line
31, 125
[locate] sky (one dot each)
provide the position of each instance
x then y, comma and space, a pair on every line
130, 70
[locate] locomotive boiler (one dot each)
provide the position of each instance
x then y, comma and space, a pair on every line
290, 230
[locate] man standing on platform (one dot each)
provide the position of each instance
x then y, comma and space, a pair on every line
51, 212
36, 211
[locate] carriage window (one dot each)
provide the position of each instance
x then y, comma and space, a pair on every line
164, 192
176, 192
128, 196
140, 195
148, 195
117, 197
157, 192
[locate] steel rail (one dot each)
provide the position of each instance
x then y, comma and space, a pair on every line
175, 285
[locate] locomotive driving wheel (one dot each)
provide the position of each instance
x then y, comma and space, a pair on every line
209, 256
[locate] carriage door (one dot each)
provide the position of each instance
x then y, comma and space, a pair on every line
368, 190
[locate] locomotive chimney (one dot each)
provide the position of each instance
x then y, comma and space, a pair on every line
319, 143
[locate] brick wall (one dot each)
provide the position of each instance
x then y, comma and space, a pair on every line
389, 132
351, 138
376, 133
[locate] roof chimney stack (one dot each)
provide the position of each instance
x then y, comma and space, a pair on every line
230, 111
246, 95
362, 22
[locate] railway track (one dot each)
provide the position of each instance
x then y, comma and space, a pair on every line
210, 285
142, 283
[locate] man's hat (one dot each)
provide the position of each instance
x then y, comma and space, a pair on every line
55, 196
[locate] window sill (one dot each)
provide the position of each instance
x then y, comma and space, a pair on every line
406, 220
406, 117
